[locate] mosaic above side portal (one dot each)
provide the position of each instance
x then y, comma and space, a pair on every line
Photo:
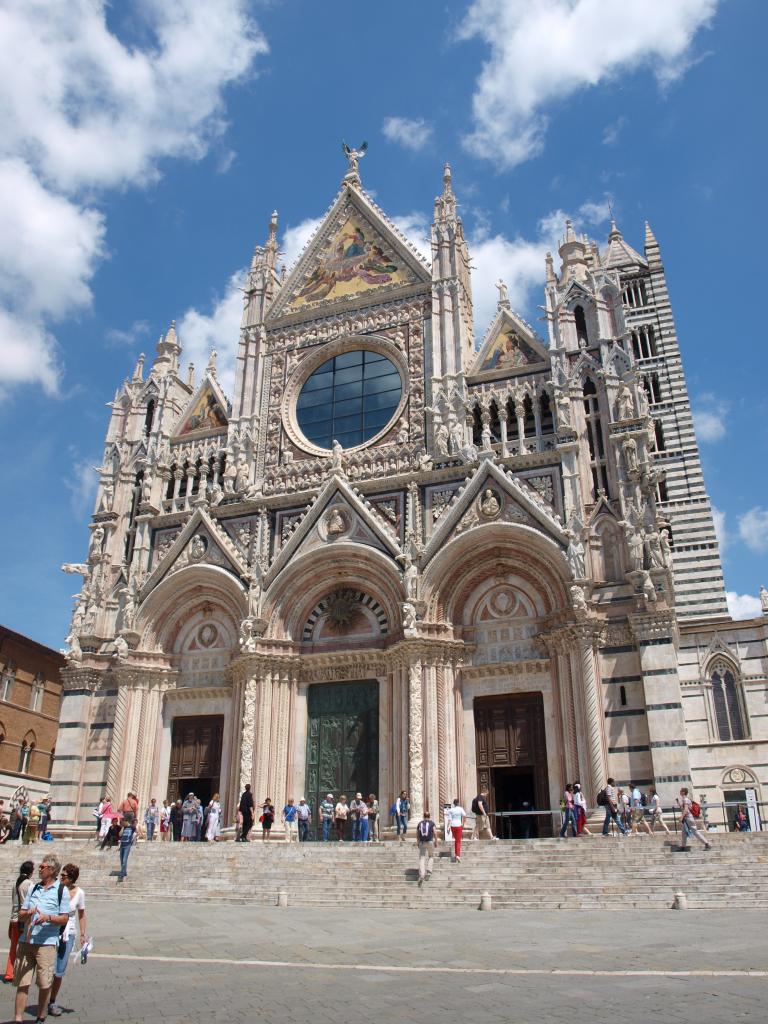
355, 259
508, 352
205, 414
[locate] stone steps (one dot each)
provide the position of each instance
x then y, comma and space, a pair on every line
537, 874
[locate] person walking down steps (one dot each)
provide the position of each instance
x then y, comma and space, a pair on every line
427, 841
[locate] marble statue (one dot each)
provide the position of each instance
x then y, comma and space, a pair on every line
625, 402
576, 556
649, 591
490, 506
409, 618
121, 648
336, 525
666, 548
764, 600
441, 440
635, 544
97, 539
503, 292
578, 598
337, 455
655, 553
241, 474
107, 496
354, 156
629, 451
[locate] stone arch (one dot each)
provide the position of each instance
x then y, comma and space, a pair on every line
182, 598
308, 579
741, 777
534, 563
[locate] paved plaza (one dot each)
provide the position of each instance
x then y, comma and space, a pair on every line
175, 962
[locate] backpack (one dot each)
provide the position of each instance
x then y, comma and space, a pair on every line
393, 810
475, 806
644, 799
426, 830
602, 798
695, 809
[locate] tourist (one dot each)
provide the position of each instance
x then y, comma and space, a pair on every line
165, 822
98, 812
151, 819
359, 811
128, 836
655, 811
303, 814
447, 823
326, 814
176, 819
611, 808
740, 820
622, 803
129, 806
580, 807
402, 806
106, 814
199, 815
19, 891
637, 811
267, 818
31, 822
213, 826
45, 816
340, 815
480, 808
75, 925
569, 815
189, 819
44, 911
373, 818
15, 821
289, 819
426, 837
112, 835
5, 825
458, 817
246, 806
688, 826
526, 821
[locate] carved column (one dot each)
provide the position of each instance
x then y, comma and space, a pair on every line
280, 731
589, 638
114, 768
263, 737
247, 727
441, 700
415, 739
431, 746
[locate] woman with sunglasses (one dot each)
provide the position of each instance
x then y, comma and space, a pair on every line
18, 895
75, 925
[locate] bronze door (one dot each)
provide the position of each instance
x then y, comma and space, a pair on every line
342, 740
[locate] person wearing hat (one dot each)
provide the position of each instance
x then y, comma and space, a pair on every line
426, 838
326, 814
303, 813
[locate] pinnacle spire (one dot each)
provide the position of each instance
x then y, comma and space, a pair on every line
168, 351
138, 373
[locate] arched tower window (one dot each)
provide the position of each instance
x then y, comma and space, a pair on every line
477, 426
36, 696
580, 320
25, 753
597, 460
727, 700
7, 680
149, 418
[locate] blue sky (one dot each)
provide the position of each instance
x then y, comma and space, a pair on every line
145, 147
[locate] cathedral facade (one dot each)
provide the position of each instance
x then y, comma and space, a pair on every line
397, 559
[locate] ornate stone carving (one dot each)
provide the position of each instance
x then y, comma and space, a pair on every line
490, 504
415, 725
248, 732
409, 619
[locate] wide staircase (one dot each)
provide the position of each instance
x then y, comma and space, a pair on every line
589, 873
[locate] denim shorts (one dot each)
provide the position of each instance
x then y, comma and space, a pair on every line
63, 958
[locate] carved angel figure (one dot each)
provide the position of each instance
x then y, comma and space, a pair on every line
354, 156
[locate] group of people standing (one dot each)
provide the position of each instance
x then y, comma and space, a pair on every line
28, 820
46, 919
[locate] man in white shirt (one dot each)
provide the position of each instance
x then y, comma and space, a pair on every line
458, 817
638, 814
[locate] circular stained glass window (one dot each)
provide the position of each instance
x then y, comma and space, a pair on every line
349, 399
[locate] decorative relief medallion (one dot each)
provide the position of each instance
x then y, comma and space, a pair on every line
198, 547
490, 504
207, 635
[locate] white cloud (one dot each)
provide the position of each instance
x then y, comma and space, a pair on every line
546, 51
199, 333
520, 261
612, 131
753, 529
413, 133
709, 416
718, 518
131, 336
417, 229
82, 110
81, 482
742, 606
295, 238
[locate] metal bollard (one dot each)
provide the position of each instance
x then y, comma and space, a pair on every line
486, 903
282, 898
680, 901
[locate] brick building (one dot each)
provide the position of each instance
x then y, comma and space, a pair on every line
30, 698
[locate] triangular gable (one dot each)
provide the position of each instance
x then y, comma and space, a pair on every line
516, 503
215, 548
602, 508
206, 413
510, 346
359, 524
577, 292
355, 250
584, 364
718, 646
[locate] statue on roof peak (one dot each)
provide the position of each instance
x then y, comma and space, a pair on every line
354, 157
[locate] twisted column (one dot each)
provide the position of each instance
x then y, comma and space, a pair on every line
415, 740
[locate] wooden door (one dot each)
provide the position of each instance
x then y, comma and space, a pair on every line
196, 747
509, 733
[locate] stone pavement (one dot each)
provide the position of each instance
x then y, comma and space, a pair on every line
175, 962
